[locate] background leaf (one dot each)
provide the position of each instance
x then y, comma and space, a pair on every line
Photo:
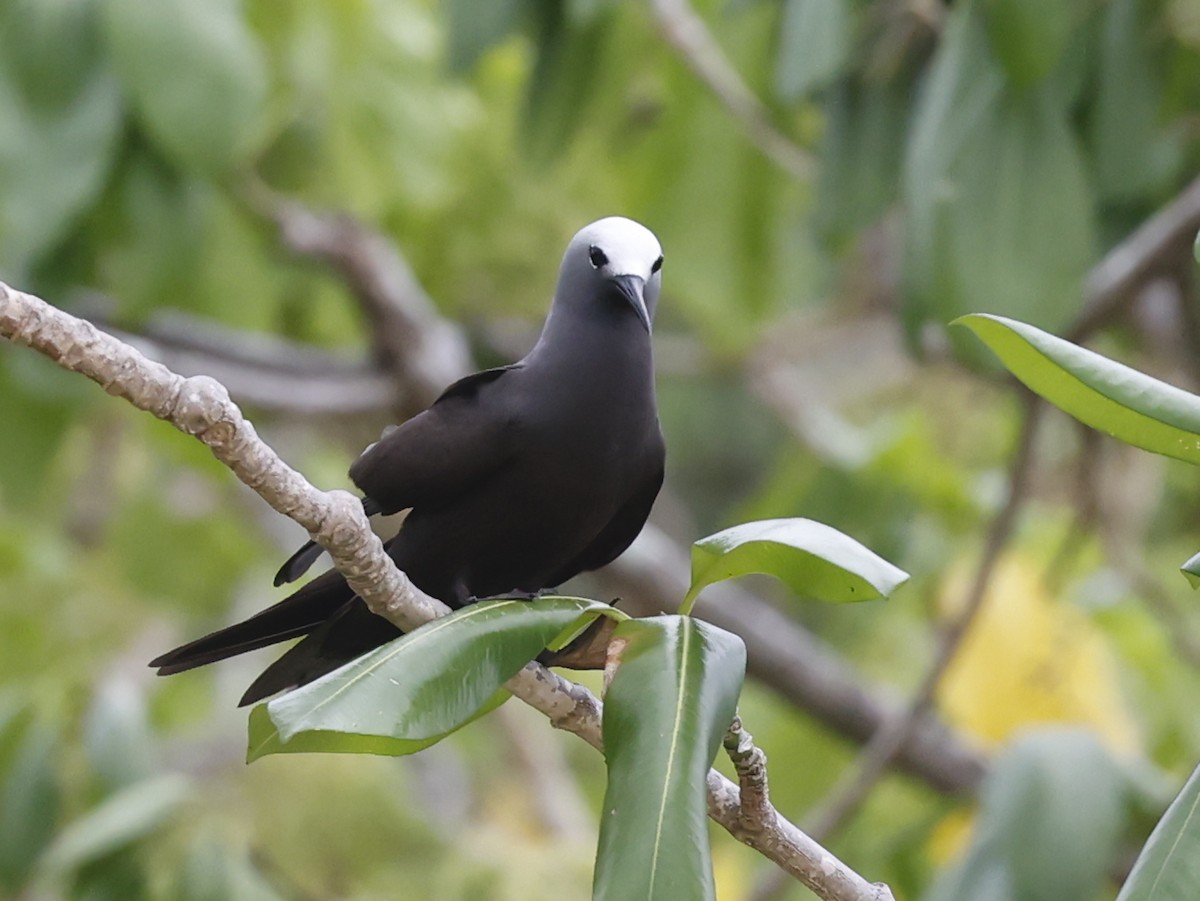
53, 164
30, 793
196, 75
1029, 37
125, 816
811, 558
1099, 392
1050, 818
474, 28
999, 213
814, 43
672, 698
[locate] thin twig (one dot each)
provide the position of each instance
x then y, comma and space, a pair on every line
750, 763
683, 29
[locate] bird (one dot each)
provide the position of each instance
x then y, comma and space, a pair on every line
515, 479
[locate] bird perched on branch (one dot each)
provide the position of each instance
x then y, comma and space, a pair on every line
516, 478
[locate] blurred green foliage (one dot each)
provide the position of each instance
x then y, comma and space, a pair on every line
993, 149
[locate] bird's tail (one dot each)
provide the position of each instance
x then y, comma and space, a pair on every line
298, 614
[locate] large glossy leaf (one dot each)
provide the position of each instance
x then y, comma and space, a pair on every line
423, 685
1168, 868
1099, 392
265, 739
197, 77
1051, 815
672, 698
122, 818
811, 558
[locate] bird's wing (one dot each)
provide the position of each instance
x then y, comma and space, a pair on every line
438, 455
433, 456
619, 533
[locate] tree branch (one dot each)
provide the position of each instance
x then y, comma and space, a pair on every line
200, 406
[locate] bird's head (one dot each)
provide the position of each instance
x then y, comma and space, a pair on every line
614, 259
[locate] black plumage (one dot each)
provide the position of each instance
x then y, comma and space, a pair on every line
516, 478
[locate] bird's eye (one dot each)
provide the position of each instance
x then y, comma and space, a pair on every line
657, 265
597, 256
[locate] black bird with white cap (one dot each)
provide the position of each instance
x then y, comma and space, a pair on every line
515, 479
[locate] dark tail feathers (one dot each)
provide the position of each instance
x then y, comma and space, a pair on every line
296, 615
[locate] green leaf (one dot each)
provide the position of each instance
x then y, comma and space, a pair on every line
1168, 868
43, 398
999, 211
265, 739
117, 735
30, 794
861, 152
1097, 391
53, 164
1052, 812
811, 558
213, 871
197, 78
814, 44
673, 696
1191, 571
422, 686
568, 63
473, 28
50, 48
119, 820
1125, 126
1029, 36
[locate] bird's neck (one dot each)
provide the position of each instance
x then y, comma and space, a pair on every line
598, 345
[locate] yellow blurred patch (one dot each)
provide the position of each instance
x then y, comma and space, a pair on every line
1027, 660
1030, 659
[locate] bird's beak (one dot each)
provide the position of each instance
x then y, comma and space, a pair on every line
632, 288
